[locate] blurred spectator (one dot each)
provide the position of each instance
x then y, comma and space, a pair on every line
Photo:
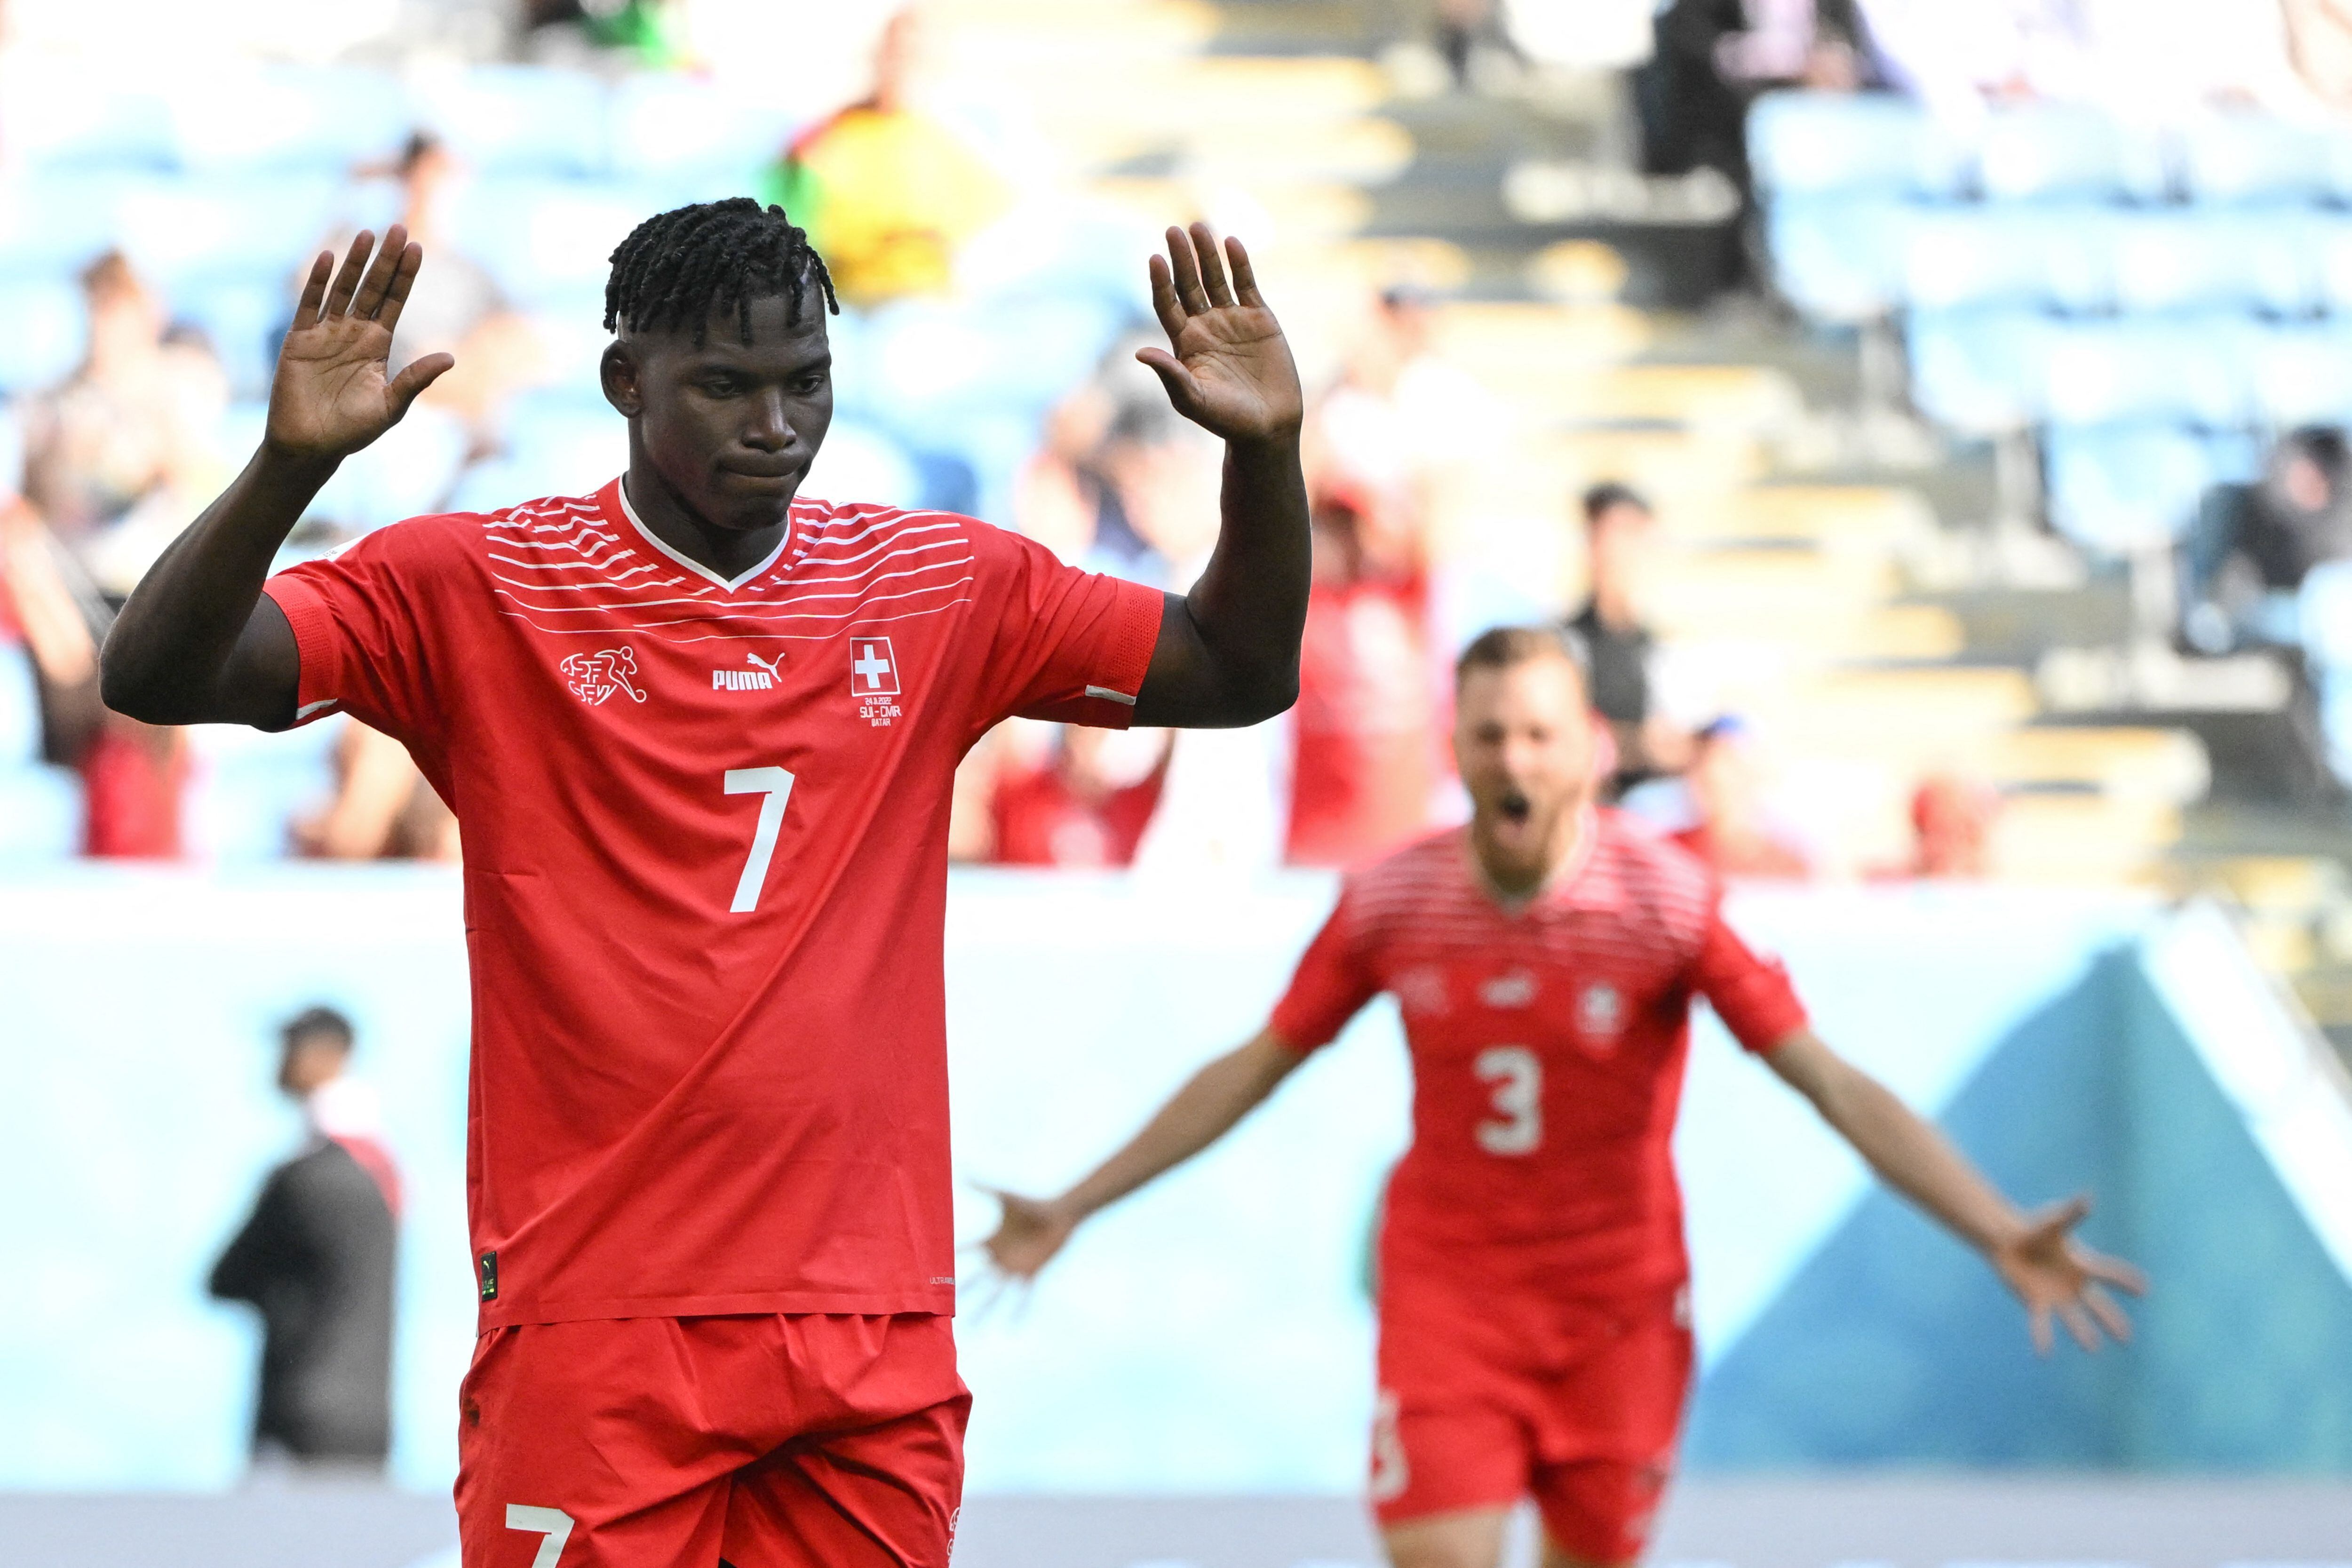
1364, 758
107, 436
133, 775
317, 1258
1951, 827
887, 192
1621, 535
1713, 57
1957, 57
1735, 833
456, 306
1088, 806
382, 808
2251, 545
1402, 418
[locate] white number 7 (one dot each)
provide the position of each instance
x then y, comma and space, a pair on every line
777, 786
551, 1522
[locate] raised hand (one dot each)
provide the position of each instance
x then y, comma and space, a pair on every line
2055, 1274
1028, 1234
333, 393
1231, 371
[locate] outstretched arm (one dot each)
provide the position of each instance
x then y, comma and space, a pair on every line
2034, 1254
1199, 1113
1228, 650
198, 643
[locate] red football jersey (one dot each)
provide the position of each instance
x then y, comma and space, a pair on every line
1547, 1044
705, 827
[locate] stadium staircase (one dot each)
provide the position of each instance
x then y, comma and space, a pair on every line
1884, 589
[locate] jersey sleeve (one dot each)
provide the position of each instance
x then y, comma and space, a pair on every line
360, 618
1751, 994
1063, 644
1331, 985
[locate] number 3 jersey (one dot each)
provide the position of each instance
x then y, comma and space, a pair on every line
705, 827
1547, 1043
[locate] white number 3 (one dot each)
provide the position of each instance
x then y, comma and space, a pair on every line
1517, 1074
777, 786
551, 1522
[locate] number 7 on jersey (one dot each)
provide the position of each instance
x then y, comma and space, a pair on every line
777, 786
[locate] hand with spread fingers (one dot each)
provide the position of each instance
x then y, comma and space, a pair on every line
1227, 367
2054, 1275
334, 392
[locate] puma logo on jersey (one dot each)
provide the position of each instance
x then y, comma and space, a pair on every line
1516, 989
595, 677
762, 679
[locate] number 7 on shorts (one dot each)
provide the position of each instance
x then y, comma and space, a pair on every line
551, 1522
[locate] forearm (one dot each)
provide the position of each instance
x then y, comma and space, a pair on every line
1199, 1113
164, 657
1250, 603
1916, 1159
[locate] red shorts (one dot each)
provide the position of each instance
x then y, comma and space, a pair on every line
1487, 1399
777, 1441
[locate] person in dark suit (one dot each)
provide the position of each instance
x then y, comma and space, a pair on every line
317, 1259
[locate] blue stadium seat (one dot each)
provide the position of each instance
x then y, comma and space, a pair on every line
71, 119
665, 126
1971, 255
53, 224
254, 228
1819, 144
859, 462
244, 320
2302, 374
40, 814
519, 120
2038, 152
43, 327
325, 119
2187, 260
2189, 370
2329, 246
550, 240
1839, 258
246, 788
2246, 157
1979, 370
410, 469
2119, 488
561, 444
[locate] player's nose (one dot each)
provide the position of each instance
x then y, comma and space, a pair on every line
769, 430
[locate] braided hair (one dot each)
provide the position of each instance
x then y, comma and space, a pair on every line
680, 267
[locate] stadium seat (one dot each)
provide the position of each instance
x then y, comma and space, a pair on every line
246, 788
2187, 260
1822, 144
548, 240
518, 119
53, 224
43, 327
1839, 258
1970, 256
245, 320
2038, 151
70, 121
316, 118
2191, 370
2117, 489
561, 444
2302, 374
40, 814
410, 469
859, 462
254, 229
2246, 157
1979, 370
665, 126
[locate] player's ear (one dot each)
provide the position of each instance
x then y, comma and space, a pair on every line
618, 372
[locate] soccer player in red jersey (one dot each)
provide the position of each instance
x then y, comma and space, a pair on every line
699, 734
1534, 1323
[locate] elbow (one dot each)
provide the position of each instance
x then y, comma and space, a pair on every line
1267, 693
122, 688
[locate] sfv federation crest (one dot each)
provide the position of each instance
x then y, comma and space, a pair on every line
595, 677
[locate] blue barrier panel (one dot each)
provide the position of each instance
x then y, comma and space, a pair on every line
1212, 1334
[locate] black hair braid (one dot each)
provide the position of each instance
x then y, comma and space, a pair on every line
680, 267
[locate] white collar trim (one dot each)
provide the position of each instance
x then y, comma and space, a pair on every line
621, 489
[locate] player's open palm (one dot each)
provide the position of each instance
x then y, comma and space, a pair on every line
2054, 1275
1028, 1234
334, 392
1229, 369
